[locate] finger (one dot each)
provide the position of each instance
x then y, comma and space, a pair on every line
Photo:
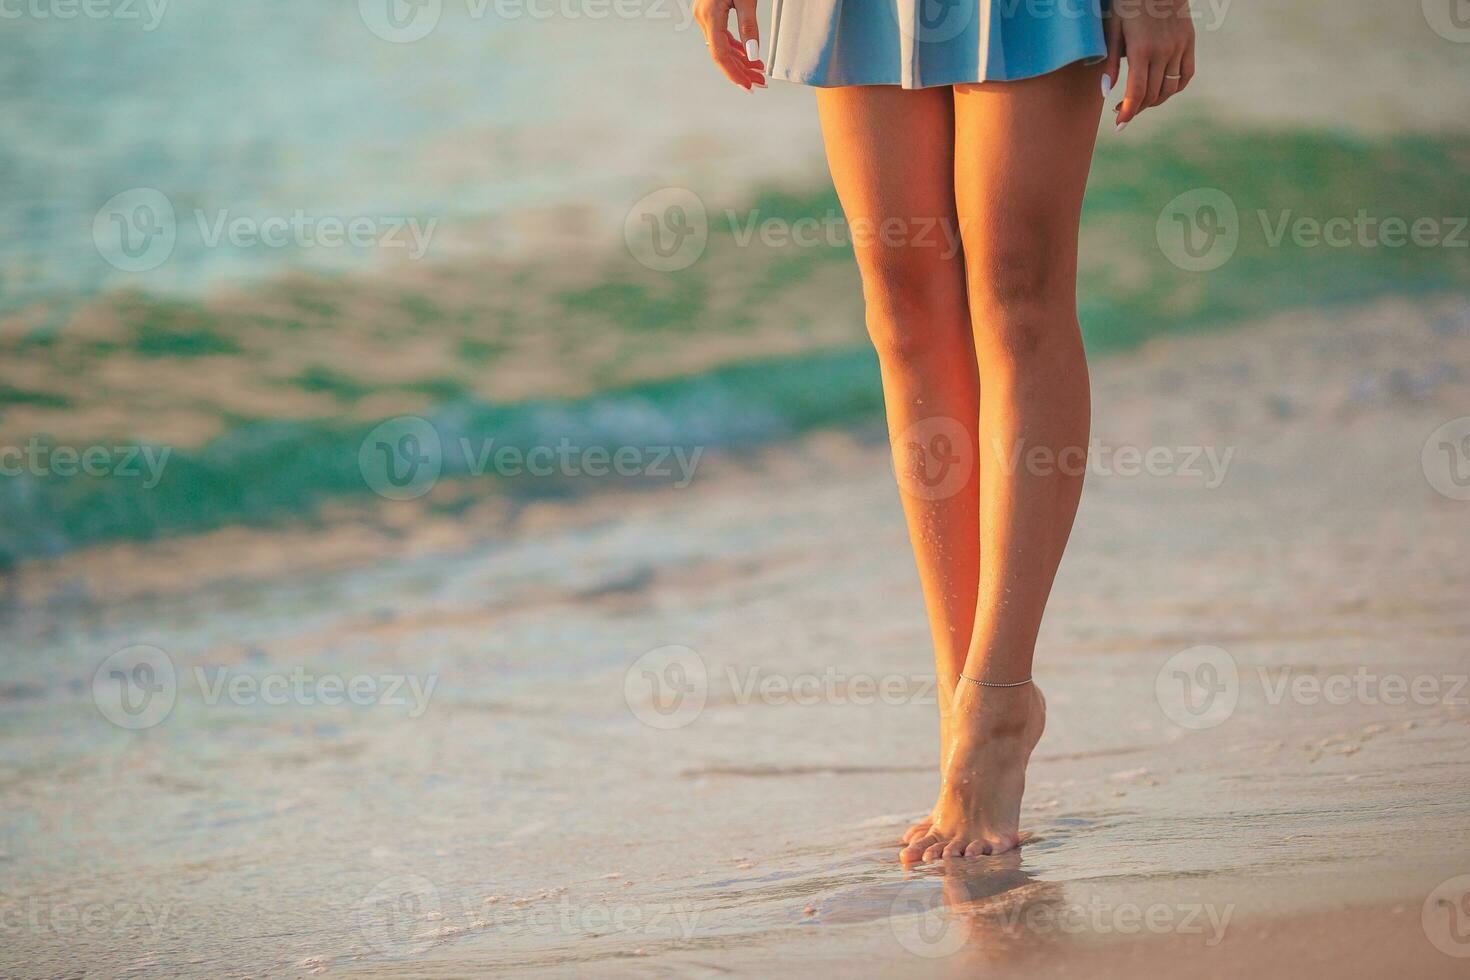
1157, 69
721, 48
1172, 76
1186, 65
753, 70
750, 29
759, 67
733, 67
1136, 95
1113, 33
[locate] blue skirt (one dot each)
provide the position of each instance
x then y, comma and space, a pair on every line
925, 43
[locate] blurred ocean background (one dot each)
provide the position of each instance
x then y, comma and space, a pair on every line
498, 157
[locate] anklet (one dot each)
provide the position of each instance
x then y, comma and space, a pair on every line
973, 680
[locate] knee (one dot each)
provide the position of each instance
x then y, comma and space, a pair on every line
915, 309
1023, 302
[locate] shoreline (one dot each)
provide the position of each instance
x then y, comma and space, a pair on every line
465, 513
524, 632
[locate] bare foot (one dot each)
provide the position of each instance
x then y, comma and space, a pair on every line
919, 827
979, 808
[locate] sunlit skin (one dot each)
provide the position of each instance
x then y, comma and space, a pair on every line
979, 344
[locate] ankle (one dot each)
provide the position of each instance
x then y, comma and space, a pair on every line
995, 712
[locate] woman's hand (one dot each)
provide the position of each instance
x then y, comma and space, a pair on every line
740, 60
1157, 38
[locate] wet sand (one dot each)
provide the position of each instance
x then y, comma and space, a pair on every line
532, 801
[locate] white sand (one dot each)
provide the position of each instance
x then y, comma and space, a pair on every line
529, 819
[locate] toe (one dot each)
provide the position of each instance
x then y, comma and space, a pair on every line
977, 848
915, 850
999, 845
955, 848
916, 831
935, 851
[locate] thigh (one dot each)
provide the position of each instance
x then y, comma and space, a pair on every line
1022, 153
891, 153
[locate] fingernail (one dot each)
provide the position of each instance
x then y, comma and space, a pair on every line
1119, 127
1107, 85
753, 49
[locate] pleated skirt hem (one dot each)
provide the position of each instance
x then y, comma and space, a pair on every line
829, 80
835, 43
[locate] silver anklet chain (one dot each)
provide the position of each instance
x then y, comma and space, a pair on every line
974, 680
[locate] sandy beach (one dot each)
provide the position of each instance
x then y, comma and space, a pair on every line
531, 798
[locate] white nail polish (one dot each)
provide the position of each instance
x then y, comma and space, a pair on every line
1107, 85
753, 50
1119, 127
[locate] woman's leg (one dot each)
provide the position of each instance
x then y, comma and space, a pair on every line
891, 153
1022, 152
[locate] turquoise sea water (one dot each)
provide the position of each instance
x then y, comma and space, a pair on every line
488, 115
